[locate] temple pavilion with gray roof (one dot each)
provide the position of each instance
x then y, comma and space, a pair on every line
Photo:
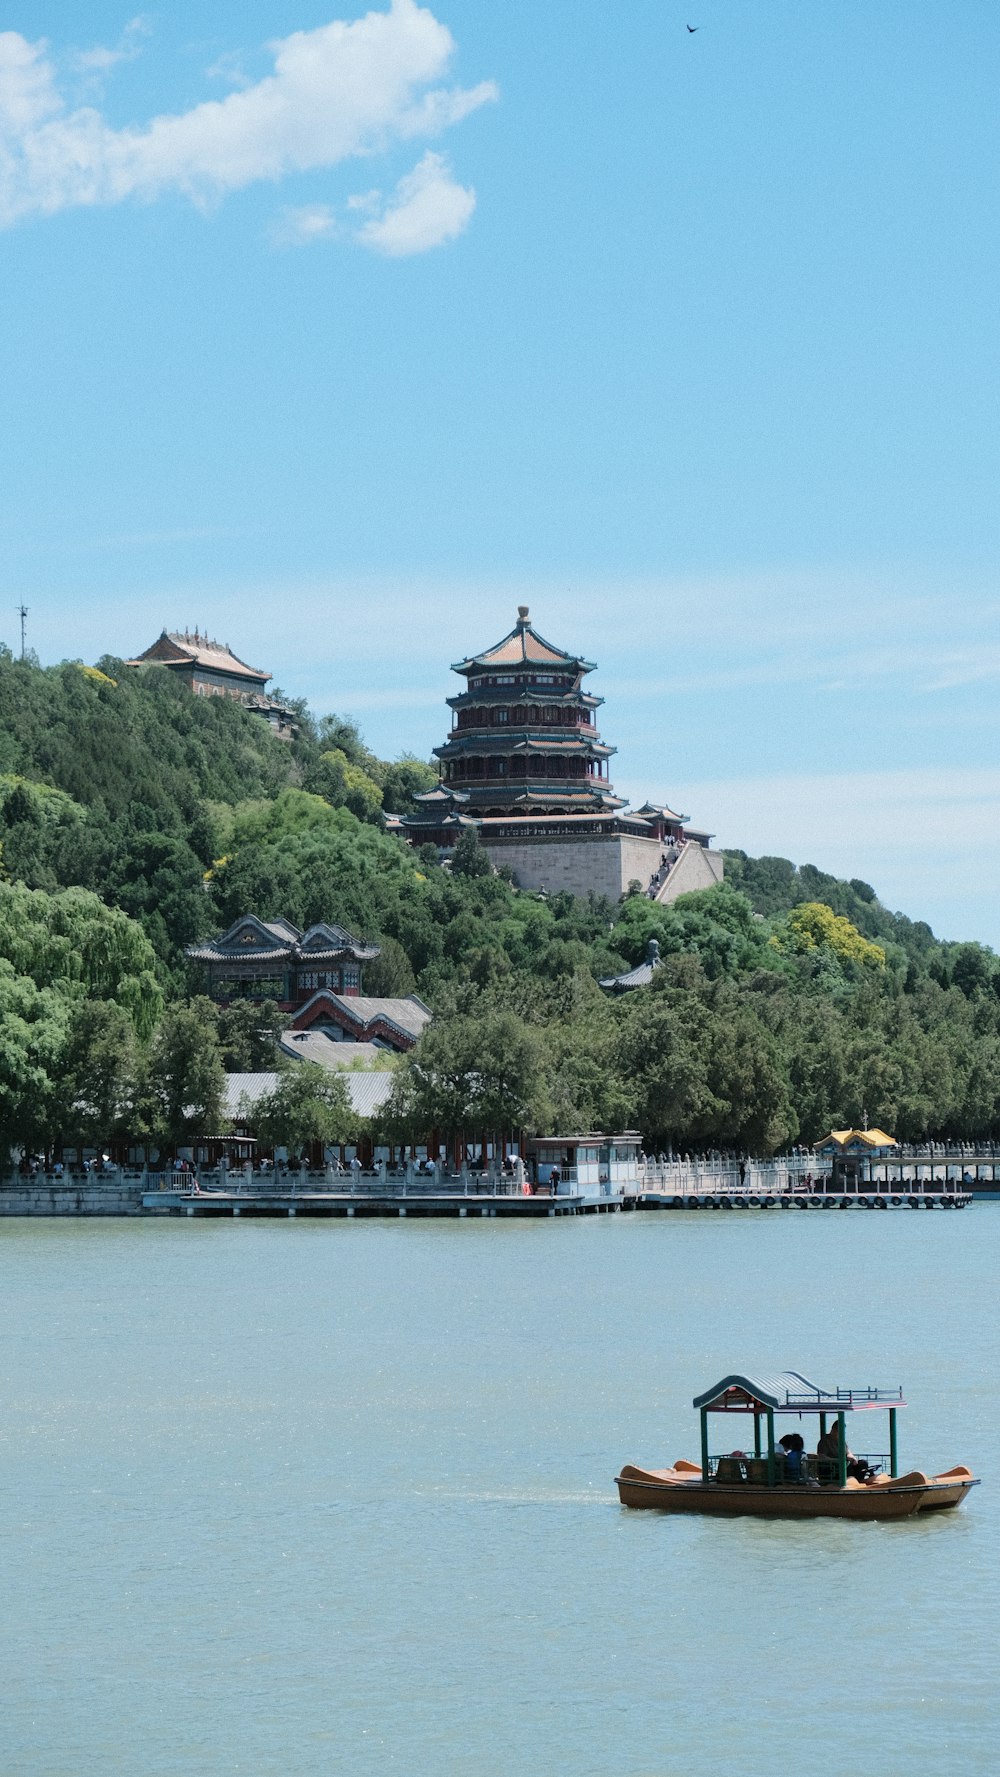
526, 766
313, 977
211, 669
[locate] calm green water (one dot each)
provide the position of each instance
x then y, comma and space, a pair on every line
293, 1498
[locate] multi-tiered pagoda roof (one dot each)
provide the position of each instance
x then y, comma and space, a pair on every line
524, 740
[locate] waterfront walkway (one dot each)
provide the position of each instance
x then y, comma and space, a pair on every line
933, 1177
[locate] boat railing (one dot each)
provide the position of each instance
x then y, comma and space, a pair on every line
737, 1468
816, 1399
854, 1396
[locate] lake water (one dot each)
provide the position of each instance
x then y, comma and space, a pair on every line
296, 1498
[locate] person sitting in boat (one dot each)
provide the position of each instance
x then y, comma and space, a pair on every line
829, 1447
794, 1448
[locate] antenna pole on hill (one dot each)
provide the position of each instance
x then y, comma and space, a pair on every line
22, 611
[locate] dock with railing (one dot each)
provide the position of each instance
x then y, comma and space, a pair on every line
792, 1182
291, 1192
604, 1180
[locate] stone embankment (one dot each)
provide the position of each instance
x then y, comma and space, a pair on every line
119, 1194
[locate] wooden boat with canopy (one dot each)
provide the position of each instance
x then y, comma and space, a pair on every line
776, 1482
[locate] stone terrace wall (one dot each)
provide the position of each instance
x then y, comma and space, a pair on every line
22, 1197
604, 864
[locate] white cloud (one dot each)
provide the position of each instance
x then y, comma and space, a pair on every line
230, 70
300, 227
102, 58
367, 201
427, 208
342, 90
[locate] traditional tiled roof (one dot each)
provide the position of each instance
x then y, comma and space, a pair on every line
367, 1092
545, 696
843, 1139
331, 940
523, 646
511, 792
279, 941
280, 927
244, 1090
640, 976
175, 648
363, 1014
612, 814
434, 823
520, 738
369, 1087
317, 1046
441, 796
411, 1014
660, 811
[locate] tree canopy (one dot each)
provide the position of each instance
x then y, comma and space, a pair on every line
135, 818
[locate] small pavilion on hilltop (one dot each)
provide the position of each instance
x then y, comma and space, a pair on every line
640, 976
525, 765
211, 669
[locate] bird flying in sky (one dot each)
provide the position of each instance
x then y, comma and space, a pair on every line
693, 28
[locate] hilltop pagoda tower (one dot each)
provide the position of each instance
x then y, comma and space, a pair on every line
524, 763
523, 738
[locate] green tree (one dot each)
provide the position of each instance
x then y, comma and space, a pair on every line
471, 1074
813, 926
390, 975
72, 942
34, 1024
470, 857
186, 1079
99, 1074
346, 785
248, 1036
403, 781
309, 1104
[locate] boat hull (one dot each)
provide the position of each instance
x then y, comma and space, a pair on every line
670, 1491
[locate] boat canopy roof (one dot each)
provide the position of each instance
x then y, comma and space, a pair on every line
787, 1391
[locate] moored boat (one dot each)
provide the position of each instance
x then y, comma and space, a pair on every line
782, 1480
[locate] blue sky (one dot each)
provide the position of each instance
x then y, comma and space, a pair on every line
687, 341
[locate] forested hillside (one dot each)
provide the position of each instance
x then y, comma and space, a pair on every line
142, 817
